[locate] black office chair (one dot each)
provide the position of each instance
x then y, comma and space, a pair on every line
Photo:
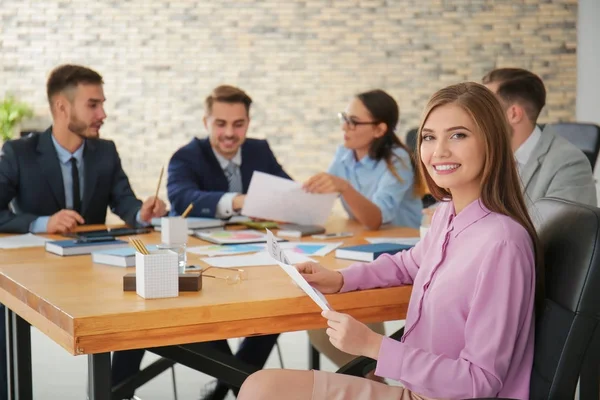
568, 329
585, 137
411, 139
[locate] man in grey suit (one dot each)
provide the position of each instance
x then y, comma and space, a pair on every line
549, 165
66, 176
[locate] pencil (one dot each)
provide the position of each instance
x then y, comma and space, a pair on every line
187, 210
162, 171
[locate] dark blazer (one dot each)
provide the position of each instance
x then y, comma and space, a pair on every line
195, 175
31, 178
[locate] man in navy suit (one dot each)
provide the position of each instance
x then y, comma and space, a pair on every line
54, 181
213, 174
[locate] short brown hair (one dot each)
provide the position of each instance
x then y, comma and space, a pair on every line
519, 85
227, 94
68, 76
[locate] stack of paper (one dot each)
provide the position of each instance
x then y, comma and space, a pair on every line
22, 241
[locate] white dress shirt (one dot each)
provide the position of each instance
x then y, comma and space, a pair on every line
523, 153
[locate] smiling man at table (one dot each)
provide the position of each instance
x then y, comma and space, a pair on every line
213, 174
54, 181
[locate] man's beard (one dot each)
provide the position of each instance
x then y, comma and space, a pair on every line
80, 128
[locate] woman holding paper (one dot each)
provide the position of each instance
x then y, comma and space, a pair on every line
470, 321
373, 171
375, 176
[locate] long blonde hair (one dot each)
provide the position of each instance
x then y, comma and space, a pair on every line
500, 185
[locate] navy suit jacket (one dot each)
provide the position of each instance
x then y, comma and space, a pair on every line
195, 175
31, 178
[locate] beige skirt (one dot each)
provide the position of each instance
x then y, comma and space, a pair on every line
331, 386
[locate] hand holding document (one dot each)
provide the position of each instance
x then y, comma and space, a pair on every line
277, 199
277, 253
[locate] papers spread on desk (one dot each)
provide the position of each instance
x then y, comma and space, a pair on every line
226, 250
409, 241
22, 241
284, 261
278, 199
251, 260
310, 248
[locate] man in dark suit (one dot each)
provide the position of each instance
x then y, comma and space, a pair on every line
213, 174
54, 181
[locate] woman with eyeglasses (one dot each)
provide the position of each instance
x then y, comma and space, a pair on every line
373, 171
375, 176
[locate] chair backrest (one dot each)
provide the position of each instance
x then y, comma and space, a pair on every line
411, 139
585, 137
570, 236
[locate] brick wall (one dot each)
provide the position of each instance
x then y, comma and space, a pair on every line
300, 60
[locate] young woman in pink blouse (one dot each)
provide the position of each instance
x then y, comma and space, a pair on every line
470, 322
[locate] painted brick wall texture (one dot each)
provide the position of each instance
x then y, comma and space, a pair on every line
301, 61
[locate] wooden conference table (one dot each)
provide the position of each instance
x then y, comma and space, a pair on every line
82, 307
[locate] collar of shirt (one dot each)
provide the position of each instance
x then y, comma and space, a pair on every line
224, 162
65, 155
350, 160
467, 217
524, 151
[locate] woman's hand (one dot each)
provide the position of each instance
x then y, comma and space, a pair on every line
321, 278
325, 183
352, 336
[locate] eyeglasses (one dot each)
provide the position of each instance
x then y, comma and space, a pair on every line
344, 119
233, 279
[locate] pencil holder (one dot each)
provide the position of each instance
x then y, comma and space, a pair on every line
173, 230
156, 275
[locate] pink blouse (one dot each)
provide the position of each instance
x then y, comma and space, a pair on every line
470, 322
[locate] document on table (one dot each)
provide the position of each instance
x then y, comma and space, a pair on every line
279, 255
22, 241
251, 260
277, 199
409, 241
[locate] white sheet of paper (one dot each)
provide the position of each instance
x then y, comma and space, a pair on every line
410, 241
251, 260
283, 260
278, 199
22, 241
327, 247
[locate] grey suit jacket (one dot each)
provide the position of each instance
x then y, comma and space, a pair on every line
557, 168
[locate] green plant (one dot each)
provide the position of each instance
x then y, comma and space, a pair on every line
12, 113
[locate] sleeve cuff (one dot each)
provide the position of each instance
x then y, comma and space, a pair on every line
139, 220
225, 206
390, 359
39, 225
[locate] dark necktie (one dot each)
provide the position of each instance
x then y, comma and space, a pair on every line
76, 193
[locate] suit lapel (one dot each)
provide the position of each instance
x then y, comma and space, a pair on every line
246, 169
536, 159
50, 167
90, 165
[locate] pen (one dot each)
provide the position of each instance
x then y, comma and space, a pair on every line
187, 210
162, 170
